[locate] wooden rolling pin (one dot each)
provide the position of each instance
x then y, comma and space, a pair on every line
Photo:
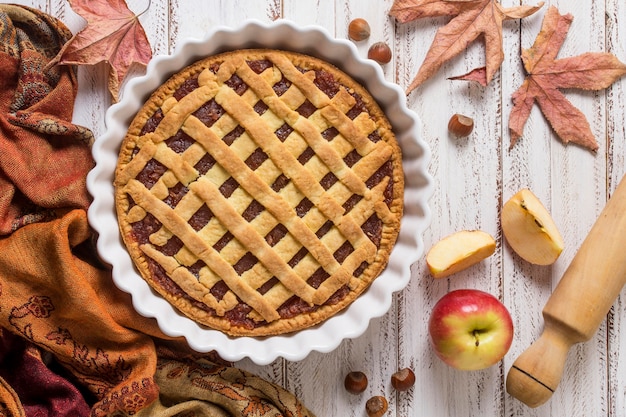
580, 302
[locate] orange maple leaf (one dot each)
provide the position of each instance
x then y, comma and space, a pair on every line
113, 34
546, 74
472, 19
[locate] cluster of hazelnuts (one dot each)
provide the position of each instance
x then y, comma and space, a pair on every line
356, 383
359, 30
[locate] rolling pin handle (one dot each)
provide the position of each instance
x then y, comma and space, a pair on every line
529, 380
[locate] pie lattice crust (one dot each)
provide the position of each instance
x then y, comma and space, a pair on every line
259, 191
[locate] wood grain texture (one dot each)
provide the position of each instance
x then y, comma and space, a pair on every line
560, 187
526, 165
466, 197
566, 162
473, 177
616, 166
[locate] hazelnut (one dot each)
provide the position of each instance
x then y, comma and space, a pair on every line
380, 52
355, 382
376, 406
403, 380
460, 125
359, 29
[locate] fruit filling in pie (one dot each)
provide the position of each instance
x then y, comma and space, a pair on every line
260, 191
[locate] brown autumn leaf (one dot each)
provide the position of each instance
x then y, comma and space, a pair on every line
472, 18
546, 74
113, 34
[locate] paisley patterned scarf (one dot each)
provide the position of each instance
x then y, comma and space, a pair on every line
44, 156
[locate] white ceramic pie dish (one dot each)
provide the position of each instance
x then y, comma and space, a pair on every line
375, 302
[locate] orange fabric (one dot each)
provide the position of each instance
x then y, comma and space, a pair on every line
38, 140
202, 388
61, 302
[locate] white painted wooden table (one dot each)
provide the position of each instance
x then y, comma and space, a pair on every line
473, 177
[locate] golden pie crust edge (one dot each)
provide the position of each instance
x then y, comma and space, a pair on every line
390, 230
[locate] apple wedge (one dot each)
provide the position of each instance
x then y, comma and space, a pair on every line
458, 251
530, 230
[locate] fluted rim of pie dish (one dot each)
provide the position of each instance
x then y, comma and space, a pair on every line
375, 301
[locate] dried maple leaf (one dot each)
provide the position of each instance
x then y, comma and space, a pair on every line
113, 34
546, 74
472, 19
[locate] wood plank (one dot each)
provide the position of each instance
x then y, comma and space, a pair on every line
319, 12
579, 190
616, 150
467, 196
92, 99
44, 5
526, 165
416, 301
570, 182
195, 19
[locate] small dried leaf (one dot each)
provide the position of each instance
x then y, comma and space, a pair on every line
113, 34
478, 75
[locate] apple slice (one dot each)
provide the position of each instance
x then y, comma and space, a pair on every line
530, 230
459, 251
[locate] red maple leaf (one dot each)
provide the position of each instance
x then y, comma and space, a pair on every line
113, 34
546, 74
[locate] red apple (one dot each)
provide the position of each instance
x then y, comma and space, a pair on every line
470, 329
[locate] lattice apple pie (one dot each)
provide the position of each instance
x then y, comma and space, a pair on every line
260, 191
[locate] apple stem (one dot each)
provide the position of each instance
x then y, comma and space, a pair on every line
476, 333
